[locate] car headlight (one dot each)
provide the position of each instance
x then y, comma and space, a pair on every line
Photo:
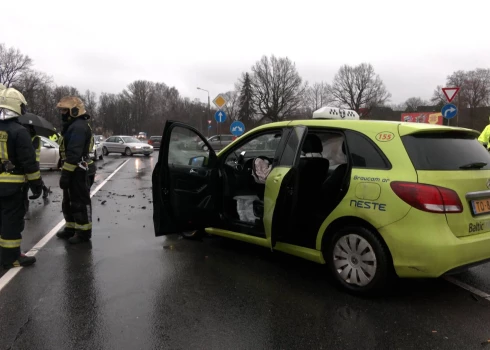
136, 147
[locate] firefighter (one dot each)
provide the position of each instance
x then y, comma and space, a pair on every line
18, 164
36, 144
485, 136
75, 145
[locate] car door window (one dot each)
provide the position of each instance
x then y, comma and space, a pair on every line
261, 145
364, 153
184, 150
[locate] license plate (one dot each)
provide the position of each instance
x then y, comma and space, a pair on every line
481, 206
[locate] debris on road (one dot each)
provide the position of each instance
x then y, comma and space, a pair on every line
103, 202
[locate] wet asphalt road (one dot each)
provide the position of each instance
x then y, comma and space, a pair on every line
130, 290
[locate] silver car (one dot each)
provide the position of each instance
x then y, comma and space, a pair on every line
126, 145
96, 152
50, 154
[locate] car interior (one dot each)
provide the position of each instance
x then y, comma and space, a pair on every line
320, 178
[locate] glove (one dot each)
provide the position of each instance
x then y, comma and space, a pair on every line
36, 187
65, 179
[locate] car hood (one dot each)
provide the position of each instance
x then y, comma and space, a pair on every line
137, 144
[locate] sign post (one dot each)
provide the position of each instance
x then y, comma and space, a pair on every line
219, 101
449, 110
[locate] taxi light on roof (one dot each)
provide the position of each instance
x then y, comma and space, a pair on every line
335, 113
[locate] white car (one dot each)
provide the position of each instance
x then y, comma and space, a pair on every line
126, 145
50, 154
97, 151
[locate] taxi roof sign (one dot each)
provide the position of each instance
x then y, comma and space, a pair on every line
335, 113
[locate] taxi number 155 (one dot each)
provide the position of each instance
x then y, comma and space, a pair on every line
385, 136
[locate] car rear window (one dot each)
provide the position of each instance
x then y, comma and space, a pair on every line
445, 150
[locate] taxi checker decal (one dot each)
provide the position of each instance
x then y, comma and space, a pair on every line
385, 136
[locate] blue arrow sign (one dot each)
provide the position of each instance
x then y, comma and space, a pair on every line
220, 116
449, 111
237, 128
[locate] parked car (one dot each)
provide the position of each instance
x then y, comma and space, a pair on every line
218, 142
97, 152
372, 200
99, 138
50, 154
126, 145
155, 141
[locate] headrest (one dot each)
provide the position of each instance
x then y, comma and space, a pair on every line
312, 144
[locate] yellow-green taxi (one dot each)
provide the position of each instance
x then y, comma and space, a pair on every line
370, 199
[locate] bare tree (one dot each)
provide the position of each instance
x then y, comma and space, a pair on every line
317, 96
359, 87
37, 89
12, 64
232, 105
438, 97
413, 103
277, 87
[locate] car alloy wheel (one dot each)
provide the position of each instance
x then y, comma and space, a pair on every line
105, 152
354, 260
127, 151
359, 260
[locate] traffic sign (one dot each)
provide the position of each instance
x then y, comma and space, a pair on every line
209, 121
450, 93
220, 116
210, 126
219, 101
237, 128
449, 111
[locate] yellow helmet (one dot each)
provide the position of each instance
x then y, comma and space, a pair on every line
12, 103
73, 104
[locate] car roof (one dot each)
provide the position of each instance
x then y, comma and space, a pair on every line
365, 125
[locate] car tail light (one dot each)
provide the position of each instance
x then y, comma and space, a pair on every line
150, 142
433, 199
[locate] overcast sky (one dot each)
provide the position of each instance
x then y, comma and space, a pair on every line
104, 45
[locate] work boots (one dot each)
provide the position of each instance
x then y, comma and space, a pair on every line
79, 238
65, 233
23, 260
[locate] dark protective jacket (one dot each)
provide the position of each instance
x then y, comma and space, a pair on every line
17, 157
76, 142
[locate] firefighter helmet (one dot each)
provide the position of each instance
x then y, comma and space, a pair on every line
12, 103
73, 104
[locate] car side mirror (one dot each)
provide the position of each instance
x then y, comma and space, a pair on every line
198, 161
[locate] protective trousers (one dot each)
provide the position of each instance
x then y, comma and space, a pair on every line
12, 212
77, 205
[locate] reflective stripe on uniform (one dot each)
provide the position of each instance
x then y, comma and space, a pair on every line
69, 167
33, 176
85, 227
11, 178
10, 243
70, 225
4, 154
38, 148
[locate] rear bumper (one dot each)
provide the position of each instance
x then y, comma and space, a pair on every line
422, 245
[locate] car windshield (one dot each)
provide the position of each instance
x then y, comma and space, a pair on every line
130, 139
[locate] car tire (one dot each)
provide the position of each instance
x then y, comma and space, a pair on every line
101, 157
194, 235
364, 256
128, 152
105, 152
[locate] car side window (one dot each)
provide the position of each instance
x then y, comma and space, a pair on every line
183, 148
364, 152
118, 139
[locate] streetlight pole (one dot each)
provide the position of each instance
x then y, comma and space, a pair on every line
209, 108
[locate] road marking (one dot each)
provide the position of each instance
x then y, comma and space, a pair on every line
467, 287
10, 274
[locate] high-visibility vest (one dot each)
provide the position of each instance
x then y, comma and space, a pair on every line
36, 143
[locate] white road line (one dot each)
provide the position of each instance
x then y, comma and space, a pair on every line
467, 287
10, 274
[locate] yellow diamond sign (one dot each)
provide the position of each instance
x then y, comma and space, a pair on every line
219, 101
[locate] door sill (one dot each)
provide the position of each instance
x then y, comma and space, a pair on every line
239, 236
